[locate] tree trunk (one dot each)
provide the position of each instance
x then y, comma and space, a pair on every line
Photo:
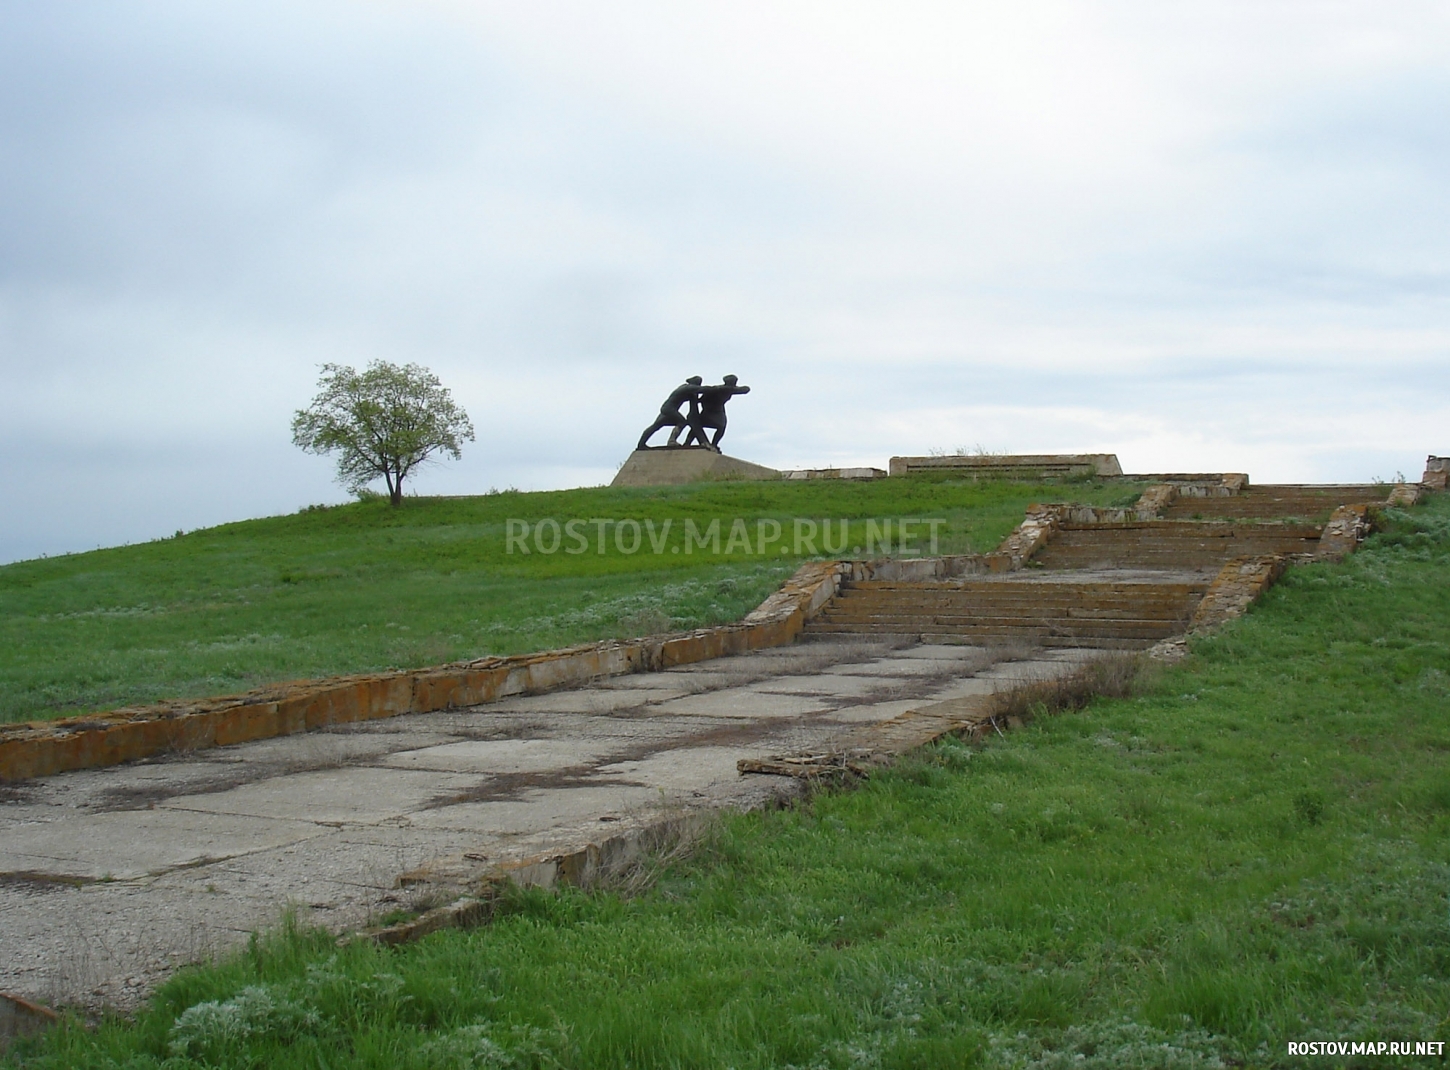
395, 490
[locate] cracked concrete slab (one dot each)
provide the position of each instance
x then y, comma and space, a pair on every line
504, 755
138, 843
945, 652
202, 849
332, 747
662, 681
741, 702
592, 700
363, 795
823, 684
899, 667
681, 769
541, 808
970, 686
871, 712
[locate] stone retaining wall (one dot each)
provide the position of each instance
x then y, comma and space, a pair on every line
1016, 466
1237, 585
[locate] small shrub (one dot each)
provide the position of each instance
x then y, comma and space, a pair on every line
205, 1030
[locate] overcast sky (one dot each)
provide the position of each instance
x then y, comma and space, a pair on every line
1204, 237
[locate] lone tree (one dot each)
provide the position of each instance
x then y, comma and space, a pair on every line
385, 421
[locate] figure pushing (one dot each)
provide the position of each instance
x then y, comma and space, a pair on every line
670, 415
706, 413
711, 414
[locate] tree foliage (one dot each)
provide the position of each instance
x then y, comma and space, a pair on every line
385, 421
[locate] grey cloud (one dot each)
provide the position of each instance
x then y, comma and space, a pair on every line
200, 204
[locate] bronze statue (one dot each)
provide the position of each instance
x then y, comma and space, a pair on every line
707, 412
711, 413
670, 415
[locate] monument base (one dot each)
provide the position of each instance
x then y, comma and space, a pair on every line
689, 464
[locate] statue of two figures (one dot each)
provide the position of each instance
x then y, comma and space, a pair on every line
706, 413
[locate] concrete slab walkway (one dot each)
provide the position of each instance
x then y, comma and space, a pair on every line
111, 878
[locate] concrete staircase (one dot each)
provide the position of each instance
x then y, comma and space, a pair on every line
1191, 554
1171, 544
1059, 610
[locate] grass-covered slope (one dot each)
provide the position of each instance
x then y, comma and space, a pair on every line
366, 587
1252, 851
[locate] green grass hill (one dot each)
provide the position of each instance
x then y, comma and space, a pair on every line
365, 587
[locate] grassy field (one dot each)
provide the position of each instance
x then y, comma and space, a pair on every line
365, 587
1252, 850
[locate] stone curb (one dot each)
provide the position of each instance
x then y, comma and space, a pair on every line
581, 867
21, 1018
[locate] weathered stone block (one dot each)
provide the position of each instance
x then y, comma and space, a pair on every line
1347, 528
22, 1018
1437, 472
834, 473
1018, 466
243, 724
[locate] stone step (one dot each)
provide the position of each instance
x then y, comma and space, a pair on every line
1026, 585
1145, 607
1078, 627
995, 638
1171, 544
1035, 637
1031, 592
1177, 529
1013, 602
1278, 501
1033, 608
1084, 616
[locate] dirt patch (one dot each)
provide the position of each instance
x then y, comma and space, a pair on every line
146, 796
15, 793
34, 881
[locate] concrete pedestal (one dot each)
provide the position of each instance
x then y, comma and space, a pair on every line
660, 467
